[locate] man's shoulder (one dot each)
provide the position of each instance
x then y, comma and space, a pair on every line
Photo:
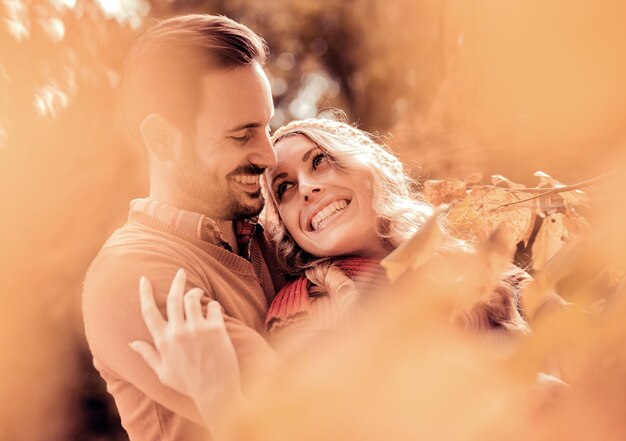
139, 244
134, 235
111, 284
132, 251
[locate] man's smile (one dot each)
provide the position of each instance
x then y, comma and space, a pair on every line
249, 183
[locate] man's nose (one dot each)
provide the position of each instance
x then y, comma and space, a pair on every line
309, 191
264, 154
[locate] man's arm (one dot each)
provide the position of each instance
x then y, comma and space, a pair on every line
192, 352
113, 319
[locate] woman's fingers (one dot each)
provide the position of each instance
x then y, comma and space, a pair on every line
214, 313
175, 298
193, 306
181, 308
151, 314
148, 353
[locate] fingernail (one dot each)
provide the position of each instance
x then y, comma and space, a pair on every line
180, 272
132, 345
142, 280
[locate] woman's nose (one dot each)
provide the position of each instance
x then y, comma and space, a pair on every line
309, 191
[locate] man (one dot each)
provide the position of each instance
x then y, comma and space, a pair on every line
194, 93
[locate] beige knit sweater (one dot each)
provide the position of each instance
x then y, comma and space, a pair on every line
148, 247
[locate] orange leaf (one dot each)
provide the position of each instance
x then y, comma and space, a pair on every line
418, 249
549, 240
439, 192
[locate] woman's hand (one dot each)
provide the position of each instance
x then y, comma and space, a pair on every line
192, 353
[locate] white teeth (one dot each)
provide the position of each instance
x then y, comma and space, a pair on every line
320, 219
246, 179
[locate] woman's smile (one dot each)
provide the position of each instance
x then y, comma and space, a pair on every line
326, 209
322, 215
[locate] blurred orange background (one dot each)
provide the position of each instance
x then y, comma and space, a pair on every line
507, 87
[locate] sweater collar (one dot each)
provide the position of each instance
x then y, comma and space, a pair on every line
197, 225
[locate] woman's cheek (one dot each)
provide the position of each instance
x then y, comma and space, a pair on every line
290, 218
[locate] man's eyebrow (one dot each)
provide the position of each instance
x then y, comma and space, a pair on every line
245, 126
252, 125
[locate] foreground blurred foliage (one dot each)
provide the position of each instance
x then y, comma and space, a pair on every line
404, 373
506, 88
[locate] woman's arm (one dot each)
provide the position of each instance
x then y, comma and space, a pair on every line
192, 353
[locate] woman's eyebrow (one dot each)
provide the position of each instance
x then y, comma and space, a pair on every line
305, 158
279, 176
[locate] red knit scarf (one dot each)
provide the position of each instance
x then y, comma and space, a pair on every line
294, 299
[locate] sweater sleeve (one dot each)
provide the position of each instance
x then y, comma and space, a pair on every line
112, 319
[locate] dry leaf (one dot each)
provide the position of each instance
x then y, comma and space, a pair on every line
542, 286
533, 203
481, 210
545, 180
575, 197
484, 268
550, 239
473, 179
480, 215
575, 224
571, 198
501, 181
439, 192
418, 249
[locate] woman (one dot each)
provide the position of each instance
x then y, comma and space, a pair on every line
338, 202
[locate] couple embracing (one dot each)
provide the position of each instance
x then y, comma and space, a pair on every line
332, 200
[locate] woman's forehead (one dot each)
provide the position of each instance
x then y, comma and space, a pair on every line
291, 151
293, 142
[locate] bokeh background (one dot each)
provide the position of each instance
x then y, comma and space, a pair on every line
455, 87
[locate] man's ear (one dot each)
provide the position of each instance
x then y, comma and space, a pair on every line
162, 138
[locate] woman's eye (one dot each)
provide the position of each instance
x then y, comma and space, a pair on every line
318, 160
281, 189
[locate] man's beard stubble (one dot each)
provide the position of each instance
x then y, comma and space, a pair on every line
240, 210
213, 196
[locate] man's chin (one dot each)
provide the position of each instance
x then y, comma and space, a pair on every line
247, 206
256, 196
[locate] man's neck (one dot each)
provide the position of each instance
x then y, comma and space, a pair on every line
226, 226
228, 231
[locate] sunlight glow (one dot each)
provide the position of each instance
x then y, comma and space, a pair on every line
50, 100
17, 22
3, 137
125, 11
59, 5
315, 85
54, 27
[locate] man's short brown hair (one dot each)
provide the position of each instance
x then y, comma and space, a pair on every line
163, 71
